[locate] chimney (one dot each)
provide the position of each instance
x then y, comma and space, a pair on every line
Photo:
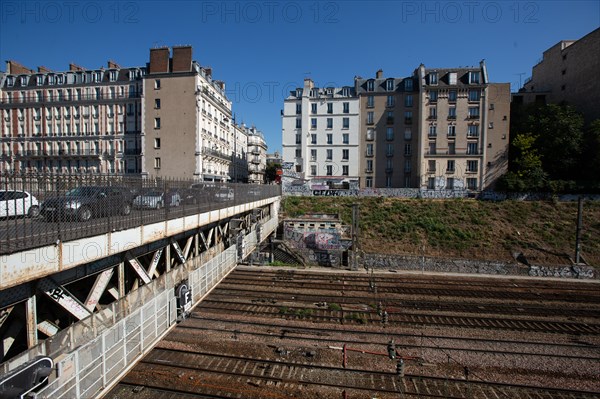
379, 74
76, 68
14, 68
221, 84
113, 65
159, 60
208, 71
43, 69
308, 84
182, 59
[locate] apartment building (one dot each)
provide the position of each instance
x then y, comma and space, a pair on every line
321, 133
186, 127
463, 128
567, 73
389, 110
76, 121
257, 155
166, 119
437, 129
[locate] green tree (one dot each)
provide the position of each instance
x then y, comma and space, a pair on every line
528, 161
271, 171
559, 136
590, 154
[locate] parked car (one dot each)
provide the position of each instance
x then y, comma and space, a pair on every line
156, 199
18, 203
199, 193
86, 202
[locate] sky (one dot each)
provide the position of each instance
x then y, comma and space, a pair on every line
265, 49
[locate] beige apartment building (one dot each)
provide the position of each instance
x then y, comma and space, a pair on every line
463, 127
186, 126
257, 155
75, 121
567, 73
388, 125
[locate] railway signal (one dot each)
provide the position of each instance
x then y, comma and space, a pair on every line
400, 368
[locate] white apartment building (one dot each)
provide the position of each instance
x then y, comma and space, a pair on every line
239, 165
257, 155
321, 134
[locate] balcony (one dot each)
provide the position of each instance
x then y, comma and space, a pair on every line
33, 98
451, 117
368, 153
255, 160
207, 152
473, 116
367, 170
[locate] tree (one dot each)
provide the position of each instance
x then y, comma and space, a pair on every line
590, 154
528, 162
271, 171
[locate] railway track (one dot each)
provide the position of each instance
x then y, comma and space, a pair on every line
285, 375
326, 336
399, 318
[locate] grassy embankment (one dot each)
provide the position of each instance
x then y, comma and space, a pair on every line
543, 231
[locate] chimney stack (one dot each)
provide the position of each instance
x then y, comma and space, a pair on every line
379, 74
14, 68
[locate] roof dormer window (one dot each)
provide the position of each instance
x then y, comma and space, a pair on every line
433, 78
389, 84
370, 85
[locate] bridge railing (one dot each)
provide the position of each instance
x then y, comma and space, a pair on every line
37, 210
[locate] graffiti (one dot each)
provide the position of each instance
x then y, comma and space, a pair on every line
335, 193
287, 165
324, 239
443, 194
324, 258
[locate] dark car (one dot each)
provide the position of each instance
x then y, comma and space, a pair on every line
84, 203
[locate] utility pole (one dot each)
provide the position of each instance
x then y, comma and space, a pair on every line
578, 233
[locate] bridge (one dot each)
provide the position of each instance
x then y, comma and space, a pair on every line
84, 295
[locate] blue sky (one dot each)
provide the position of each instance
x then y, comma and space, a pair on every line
263, 49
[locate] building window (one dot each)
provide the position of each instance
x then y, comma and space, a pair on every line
345, 123
346, 108
369, 150
313, 139
390, 150
156, 84
298, 153
313, 123
472, 148
431, 183
370, 134
298, 139
390, 101
313, 155
330, 108
452, 113
329, 169
345, 138
370, 117
450, 166
298, 123
369, 166
407, 149
370, 85
313, 108
370, 102
329, 138
408, 117
474, 77
369, 182
474, 95
450, 183
432, 148
433, 78
157, 143
472, 183
345, 154
329, 123
408, 100
407, 165
451, 131
345, 170
408, 84
157, 103
390, 118
472, 166
299, 109
433, 96
451, 148
473, 131
389, 133
157, 123
474, 112
313, 170
407, 134
156, 163
432, 130
389, 85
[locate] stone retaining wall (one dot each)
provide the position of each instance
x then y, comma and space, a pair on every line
427, 264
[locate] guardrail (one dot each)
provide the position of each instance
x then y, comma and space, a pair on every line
38, 210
